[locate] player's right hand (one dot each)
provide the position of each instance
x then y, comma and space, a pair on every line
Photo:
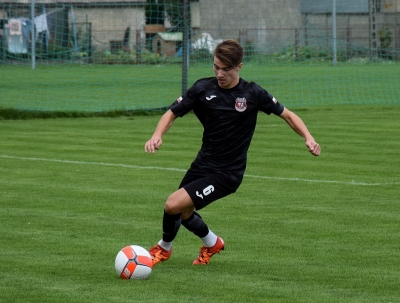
152, 145
313, 147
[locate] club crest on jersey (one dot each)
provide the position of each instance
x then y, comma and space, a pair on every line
179, 99
240, 104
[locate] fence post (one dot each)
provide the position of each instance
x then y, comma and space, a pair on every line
138, 48
296, 43
242, 36
334, 32
185, 45
348, 34
372, 28
397, 36
33, 55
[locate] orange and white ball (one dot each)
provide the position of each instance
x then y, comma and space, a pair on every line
133, 262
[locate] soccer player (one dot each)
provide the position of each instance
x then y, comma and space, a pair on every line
227, 107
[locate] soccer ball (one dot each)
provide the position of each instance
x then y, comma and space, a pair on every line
133, 262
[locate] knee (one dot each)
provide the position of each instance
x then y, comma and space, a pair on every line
172, 206
178, 202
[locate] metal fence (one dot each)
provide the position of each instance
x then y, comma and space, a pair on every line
110, 34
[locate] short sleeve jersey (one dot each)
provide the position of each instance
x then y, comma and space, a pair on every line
229, 119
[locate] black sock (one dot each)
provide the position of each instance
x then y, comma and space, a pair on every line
196, 225
171, 224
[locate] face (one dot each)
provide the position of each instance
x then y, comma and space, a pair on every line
227, 77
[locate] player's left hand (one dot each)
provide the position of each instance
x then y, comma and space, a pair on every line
152, 145
313, 147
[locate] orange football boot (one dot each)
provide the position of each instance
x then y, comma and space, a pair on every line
159, 254
207, 252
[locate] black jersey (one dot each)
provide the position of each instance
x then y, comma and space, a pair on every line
229, 119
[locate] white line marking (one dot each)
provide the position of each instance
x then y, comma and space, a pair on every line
94, 163
184, 170
324, 181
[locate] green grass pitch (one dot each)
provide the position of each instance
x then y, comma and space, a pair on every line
94, 88
73, 192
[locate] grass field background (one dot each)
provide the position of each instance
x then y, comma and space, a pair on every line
94, 88
299, 229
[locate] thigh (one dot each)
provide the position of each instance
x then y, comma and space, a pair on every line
207, 189
193, 174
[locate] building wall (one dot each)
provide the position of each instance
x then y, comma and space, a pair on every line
353, 29
269, 25
272, 25
391, 6
110, 24
109, 19
259, 23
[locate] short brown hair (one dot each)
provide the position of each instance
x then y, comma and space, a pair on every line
229, 52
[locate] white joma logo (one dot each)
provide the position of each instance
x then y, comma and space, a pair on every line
199, 195
211, 97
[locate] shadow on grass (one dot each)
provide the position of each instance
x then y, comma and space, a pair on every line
17, 114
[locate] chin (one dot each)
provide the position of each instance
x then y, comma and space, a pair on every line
222, 83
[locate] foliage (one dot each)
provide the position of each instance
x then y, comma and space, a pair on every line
201, 54
385, 37
249, 49
131, 58
175, 11
154, 12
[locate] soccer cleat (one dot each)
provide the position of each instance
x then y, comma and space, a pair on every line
159, 254
207, 252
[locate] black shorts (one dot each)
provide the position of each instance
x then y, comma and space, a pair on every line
205, 188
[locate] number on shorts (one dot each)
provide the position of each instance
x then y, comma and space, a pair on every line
208, 190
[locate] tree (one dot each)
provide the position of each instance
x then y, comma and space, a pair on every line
175, 10
155, 12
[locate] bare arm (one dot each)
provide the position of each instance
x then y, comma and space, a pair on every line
299, 127
162, 127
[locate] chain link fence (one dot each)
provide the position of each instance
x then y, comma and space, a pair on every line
77, 37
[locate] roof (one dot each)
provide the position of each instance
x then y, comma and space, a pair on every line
171, 36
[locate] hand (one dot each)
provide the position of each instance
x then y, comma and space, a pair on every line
313, 147
152, 145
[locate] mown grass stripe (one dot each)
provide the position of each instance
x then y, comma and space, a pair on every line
359, 183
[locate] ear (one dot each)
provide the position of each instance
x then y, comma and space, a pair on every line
239, 66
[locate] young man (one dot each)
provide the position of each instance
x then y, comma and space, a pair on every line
227, 106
